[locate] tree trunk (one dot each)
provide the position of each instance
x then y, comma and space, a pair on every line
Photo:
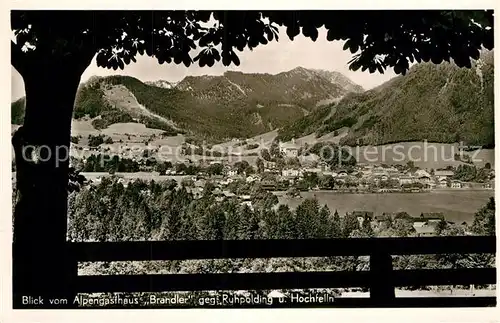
41, 264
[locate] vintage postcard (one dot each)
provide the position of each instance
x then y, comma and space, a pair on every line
187, 159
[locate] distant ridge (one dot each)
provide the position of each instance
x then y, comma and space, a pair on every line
232, 105
438, 103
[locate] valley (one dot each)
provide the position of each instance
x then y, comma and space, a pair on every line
430, 117
438, 103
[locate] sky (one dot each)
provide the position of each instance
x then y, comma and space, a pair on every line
273, 58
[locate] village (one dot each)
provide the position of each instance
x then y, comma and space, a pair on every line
292, 172
290, 177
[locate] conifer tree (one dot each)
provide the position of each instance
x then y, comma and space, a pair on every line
366, 228
336, 225
350, 224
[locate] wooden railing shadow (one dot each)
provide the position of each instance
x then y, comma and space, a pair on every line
381, 279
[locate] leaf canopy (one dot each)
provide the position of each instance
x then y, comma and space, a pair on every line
377, 39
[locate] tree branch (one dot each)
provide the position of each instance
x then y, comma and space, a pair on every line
17, 58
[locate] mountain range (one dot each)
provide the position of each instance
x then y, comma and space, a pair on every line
439, 103
234, 104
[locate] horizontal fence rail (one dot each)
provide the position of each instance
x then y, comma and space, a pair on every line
344, 302
285, 280
221, 249
381, 279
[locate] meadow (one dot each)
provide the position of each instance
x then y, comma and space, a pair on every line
457, 205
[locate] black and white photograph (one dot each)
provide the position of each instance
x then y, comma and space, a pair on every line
182, 159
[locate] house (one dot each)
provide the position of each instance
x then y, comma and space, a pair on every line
456, 184
425, 230
200, 183
443, 173
290, 172
487, 185
226, 181
197, 192
392, 170
276, 294
362, 216
247, 203
217, 192
228, 194
268, 185
217, 178
269, 164
423, 176
251, 179
421, 173
312, 170
468, 185
379, 171
382, 217
426, 180
341, 173
389, 216
430, 216
324, 166
442, 182
395, 176
290, 150
405, 179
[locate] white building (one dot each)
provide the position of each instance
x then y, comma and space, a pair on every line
442, 182
443, 173
251, 179
342, 173
422, 173
247, 203
425, 230
406, 180
379, 171
312, 170
330, 173
290, 172
276, 294
290, 150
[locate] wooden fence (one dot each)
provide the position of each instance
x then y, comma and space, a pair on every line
380, 279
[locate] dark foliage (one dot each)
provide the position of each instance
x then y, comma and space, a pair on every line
437, 103
95, 141
404, 35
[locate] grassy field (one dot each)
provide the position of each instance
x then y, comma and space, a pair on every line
430, 293
457, 205
424, 155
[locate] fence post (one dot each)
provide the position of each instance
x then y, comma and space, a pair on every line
381, 288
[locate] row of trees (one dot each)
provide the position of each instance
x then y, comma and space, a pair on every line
63, 44
95, 141
165, 211
110, 164
153, 210
471, 173
109, 211
113, 164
